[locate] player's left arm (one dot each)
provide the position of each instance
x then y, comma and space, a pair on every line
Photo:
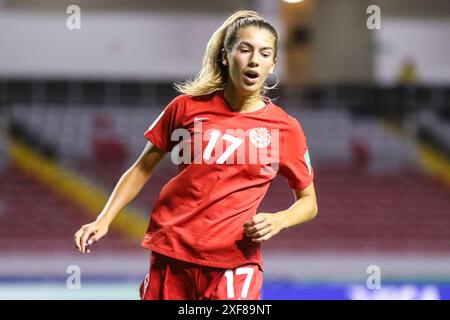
264, 226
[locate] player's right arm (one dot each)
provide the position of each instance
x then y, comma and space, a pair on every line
127, 188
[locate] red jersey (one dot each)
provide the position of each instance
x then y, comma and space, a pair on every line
226, 160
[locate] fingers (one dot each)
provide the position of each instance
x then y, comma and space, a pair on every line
84, 239
99, 233
260, 233
260, 217
261, 227
87, 232
251, 230
77, 238
88, 235
92, 240
266, 237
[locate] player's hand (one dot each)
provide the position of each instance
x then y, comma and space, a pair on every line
263, 226
89, 234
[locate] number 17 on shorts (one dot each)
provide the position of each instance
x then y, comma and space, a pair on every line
242, 283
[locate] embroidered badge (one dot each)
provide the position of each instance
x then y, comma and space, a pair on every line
260, 137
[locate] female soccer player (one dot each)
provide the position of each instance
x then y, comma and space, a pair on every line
230, 141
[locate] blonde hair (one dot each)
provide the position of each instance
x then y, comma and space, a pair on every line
213, 75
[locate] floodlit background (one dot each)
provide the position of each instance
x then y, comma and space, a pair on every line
374, 104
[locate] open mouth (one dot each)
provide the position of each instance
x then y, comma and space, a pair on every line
251, 74
251, 77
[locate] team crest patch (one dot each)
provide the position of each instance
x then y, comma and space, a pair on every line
260, 137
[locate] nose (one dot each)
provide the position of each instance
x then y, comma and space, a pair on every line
254, 61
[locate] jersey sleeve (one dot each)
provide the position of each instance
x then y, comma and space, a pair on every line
160, 131
295, 163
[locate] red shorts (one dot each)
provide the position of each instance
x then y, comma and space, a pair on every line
171, 279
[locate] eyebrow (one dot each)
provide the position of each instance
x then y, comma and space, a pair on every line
250, 45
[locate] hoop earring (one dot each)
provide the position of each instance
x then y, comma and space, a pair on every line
273, 86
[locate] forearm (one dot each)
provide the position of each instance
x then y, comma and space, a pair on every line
127, 188
303, 210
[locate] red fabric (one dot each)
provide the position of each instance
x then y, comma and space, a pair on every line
199, 214
171, 279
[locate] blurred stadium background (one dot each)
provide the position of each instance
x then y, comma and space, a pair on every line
375, 106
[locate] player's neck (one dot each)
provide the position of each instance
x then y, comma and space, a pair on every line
241, 103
